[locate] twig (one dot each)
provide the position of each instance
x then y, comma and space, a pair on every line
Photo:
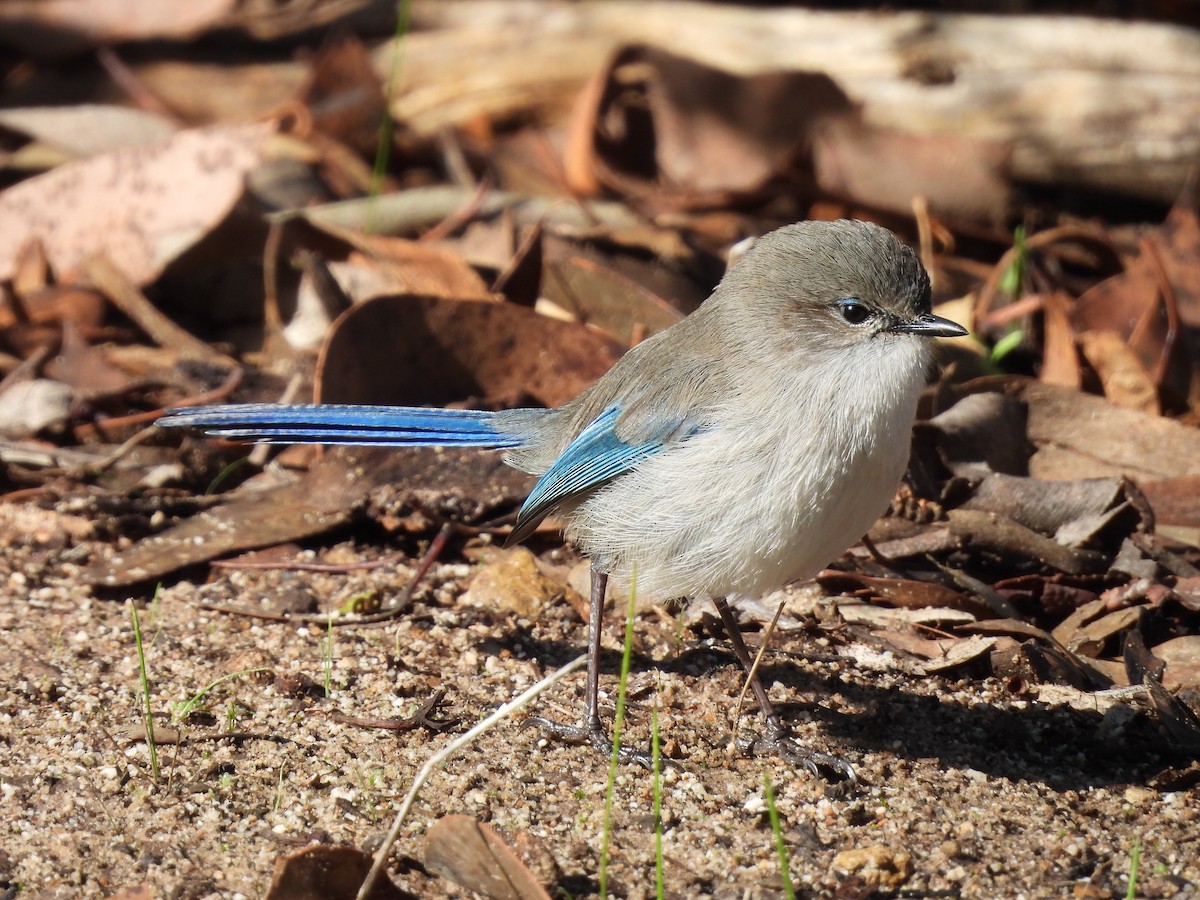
407, 723
431, 764
750, 676
297, 566
462, 215
1170, 301
227, 387
27, 367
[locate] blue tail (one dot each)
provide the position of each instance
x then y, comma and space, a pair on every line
379, 426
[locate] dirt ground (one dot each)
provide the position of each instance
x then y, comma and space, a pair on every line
967, 788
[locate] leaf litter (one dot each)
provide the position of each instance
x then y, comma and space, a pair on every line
1018, 637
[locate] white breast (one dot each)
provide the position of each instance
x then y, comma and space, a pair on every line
797, 471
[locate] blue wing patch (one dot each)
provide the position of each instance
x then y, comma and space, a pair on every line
595, 456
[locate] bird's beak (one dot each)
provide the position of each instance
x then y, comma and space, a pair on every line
929, 325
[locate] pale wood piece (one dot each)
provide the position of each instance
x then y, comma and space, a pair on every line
1098, 103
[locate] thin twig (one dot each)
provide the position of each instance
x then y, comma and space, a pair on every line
462, 215
1170, 302
407, 723
431, 764
753, 673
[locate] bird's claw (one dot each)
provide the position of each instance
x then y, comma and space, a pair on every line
781, 742
594, 735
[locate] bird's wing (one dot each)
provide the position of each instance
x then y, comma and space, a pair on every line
596, 455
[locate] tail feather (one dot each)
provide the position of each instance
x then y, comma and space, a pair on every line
383, 426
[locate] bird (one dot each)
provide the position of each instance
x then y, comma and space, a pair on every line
744, 447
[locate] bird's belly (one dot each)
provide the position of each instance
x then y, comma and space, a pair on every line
713, 517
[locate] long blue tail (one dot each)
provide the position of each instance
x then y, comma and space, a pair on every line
380, 426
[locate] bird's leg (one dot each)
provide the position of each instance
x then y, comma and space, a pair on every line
592, 730
779, 738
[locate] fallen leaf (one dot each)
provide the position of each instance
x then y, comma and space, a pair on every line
140, 206
61, 27
1182, 656
325, 872
607, 299
409, 350
29, 406
344, 94
472, 855
453, 484
674, 130
961, 178
90, 128
1081, 436
1060, 361
1125, 380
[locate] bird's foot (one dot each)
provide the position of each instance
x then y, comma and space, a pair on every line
781, 742
592, 734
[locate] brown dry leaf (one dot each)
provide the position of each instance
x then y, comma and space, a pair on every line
1176, 502
1125, 380
60, 27
410, 350
85, 369
387, 266
1091, 638
600, 296
1070, 627
472, 855
453, 484
960, 178
859, 613
90, 128
1178, 244
1060, 362
325, 872
416, 267
940, 654
1081, 436
982, 433
1146, 304
344, 95
1089, 512
996, 533
1182, 656
710, 134
58, 304
900, 592
141, 207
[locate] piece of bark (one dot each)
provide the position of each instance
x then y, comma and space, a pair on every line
329, 495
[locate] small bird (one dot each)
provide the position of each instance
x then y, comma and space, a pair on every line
744, 447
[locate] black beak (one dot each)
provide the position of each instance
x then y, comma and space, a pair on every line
929, 325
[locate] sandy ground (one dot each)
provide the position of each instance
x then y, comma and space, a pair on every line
967, 789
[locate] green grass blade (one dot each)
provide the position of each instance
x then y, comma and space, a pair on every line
1135, 863
656, 756
618, 722
383, 147
148, 716
785, 875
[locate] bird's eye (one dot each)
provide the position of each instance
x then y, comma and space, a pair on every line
853, 311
